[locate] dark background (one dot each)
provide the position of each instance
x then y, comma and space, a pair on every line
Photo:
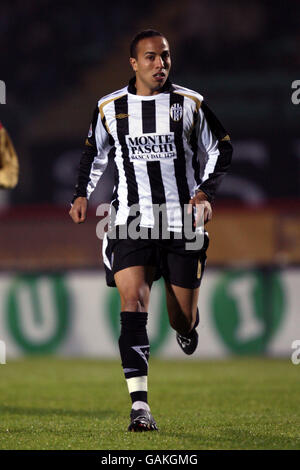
59, 58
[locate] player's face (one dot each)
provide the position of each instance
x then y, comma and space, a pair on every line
152, 65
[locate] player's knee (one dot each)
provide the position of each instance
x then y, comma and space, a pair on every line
131, 304
134, 303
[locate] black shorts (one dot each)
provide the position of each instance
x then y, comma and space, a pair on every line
181, 267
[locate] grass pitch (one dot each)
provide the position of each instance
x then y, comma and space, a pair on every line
48, 403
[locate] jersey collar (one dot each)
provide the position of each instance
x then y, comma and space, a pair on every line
166, 88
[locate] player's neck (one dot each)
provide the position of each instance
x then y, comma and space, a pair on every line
143, 90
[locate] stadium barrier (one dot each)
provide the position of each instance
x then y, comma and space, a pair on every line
243, 312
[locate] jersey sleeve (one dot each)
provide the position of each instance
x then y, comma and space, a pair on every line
214, 149
94, 157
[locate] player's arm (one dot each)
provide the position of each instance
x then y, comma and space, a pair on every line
9, 166
215, 150
92, 166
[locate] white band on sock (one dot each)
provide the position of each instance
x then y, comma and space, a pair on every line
137, 384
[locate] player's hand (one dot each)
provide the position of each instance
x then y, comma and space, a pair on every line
203, 208
78, 210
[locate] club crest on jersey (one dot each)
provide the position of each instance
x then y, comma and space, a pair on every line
176, 112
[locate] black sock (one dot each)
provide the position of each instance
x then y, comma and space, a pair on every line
134, 350
139, 396
134, 344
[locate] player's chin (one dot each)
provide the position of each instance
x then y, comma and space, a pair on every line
159, 84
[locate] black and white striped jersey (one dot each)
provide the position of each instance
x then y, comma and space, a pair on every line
164, 148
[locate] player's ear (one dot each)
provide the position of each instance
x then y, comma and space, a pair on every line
133, 63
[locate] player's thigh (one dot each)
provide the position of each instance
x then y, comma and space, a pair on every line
183, 272
181, 302
134, 286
